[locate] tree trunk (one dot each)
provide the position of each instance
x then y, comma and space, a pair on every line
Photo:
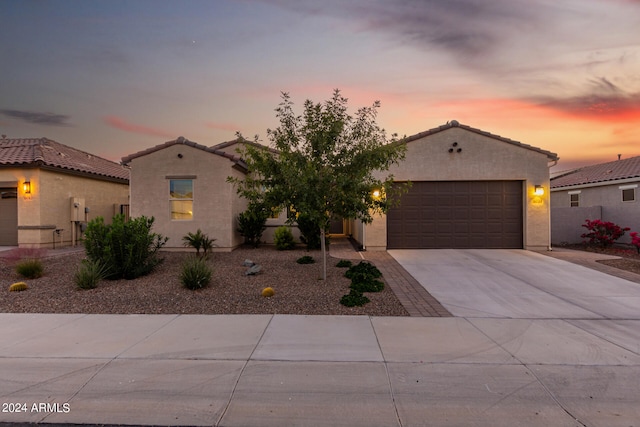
324, 254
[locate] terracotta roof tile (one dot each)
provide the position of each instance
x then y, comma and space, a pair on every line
603, 172
455, 123
46, 152
238, 162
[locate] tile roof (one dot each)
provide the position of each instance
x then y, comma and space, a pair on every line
455, 123
43, 152
603, 172
238, 162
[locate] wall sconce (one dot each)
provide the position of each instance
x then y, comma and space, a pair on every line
26, 187
376, 193
538, 190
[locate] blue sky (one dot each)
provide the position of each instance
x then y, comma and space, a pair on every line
117, 77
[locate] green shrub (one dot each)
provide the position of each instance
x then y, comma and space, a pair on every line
284, 238
309, 231
368, 285
196, 273
252, 223
30, 268
199, 240
305, 260
344, 263
363, 269
354, 298
128, 249
89, 274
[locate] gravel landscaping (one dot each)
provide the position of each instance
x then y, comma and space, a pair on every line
298, 289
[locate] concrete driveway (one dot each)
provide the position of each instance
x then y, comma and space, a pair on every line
519, 284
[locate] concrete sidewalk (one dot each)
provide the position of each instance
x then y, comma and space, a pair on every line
264, 370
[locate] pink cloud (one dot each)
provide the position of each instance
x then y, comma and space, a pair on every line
124, 125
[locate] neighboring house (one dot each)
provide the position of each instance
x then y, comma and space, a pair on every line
606, 191
470, 189
183, 185
49, 190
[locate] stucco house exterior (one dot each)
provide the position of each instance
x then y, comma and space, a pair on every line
606, 191
470, 189
183, 185
48, 190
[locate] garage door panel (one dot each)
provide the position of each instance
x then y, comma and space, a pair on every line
460, 214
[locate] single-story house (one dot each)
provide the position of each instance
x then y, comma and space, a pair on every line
606, 191
470, 189
49, 190
183, 185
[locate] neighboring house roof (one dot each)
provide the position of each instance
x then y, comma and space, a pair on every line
227, 144
455, 123
46, 153
601, 173
236, 160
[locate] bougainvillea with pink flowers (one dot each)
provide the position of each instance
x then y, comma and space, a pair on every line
635, 240
602, 233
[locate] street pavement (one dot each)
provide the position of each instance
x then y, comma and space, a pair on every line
577, 364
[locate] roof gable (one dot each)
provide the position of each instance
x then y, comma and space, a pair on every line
602, 172
43, 152
456, 124
236, 160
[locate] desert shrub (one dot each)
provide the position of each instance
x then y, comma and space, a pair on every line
344, 263
284, 238
199, 240
252, 223
89, 274
30, 268
602, 233
196, 273
369, 284
309, 231
363, 269
305, 260
635, 240
354, 298
128, 249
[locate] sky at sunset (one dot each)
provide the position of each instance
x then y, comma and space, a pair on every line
116, 77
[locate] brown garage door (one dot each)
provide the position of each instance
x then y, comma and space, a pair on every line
8, 217
457, 214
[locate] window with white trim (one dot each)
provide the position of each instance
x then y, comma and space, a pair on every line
574, 199
181, 199
628, 192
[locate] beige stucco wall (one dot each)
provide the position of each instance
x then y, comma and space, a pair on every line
481, 158
48, 206
215, 204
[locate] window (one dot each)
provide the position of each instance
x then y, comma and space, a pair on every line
628, 192
181, 198
629, 195
574, 199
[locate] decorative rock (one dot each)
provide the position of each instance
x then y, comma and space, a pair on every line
248, 263
268, 292
253, 270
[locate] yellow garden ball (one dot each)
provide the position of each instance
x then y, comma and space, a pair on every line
268, 292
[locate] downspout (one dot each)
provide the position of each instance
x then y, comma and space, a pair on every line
549, 166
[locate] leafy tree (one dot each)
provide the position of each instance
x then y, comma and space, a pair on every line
323, 163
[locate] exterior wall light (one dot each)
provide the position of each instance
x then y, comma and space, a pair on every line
26, 187
376, 193
538, 190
